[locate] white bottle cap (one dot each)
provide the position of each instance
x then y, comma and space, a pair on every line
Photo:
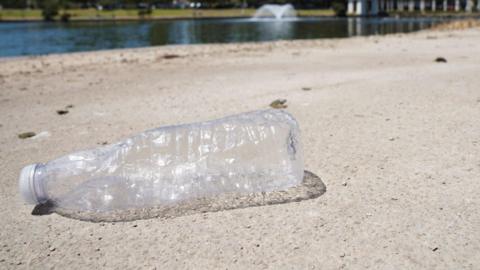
26, 184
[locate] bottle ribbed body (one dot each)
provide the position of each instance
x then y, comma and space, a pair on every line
252, 152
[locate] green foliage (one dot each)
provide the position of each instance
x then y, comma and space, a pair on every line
339, 8
50, 9
145, 12
65, 17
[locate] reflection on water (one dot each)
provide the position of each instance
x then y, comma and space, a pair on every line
43, 38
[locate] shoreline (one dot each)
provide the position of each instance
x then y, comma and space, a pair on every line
157, 14
177, 50
172, 18
130, 19
320, 13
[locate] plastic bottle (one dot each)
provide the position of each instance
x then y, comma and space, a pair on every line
251, 152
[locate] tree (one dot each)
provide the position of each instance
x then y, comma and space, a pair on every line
50, 9
339, 8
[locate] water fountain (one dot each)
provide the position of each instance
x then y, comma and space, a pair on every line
275, 11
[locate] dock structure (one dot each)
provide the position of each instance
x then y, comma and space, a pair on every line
376, 7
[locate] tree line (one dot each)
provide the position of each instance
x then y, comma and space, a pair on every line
52, 9
139, 4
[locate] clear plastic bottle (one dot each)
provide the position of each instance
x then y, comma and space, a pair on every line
251, 152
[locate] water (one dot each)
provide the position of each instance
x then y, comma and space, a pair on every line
36, 38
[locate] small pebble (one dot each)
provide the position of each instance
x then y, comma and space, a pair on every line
306, 88
52, 248
440, 60
279, 104
26, 135
62, 112
435, 249
171, 56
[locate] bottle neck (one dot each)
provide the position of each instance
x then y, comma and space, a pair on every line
38, 180
32, 184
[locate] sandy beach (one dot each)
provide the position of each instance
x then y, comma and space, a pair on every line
394, 135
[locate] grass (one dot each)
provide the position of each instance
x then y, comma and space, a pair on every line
20, 14
86, 14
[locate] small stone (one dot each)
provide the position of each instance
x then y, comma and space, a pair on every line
26, 135
62, 112
279, 104
342, 255
440, 60
170, 56
306, 88
435, 249
134, 226
344, 184
52, 249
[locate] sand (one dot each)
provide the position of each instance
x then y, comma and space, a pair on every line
394, 135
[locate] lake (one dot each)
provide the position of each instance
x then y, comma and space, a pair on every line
37, 38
